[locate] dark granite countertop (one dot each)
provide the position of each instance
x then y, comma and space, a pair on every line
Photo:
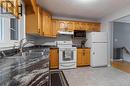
12, 66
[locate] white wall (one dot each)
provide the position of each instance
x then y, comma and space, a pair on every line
107, 26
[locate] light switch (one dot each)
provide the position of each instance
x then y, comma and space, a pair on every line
116, 40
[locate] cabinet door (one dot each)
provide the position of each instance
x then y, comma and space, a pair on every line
96, 27
70, 26
54, 58
54, 28
62, 25
77, 25
39, 14
86, 57
46, 24
79, 57
34, 5
11, 6
31, 22
83, 26
86, 26
16, 10
83, 57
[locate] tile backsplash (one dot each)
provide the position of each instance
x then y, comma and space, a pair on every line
49, 41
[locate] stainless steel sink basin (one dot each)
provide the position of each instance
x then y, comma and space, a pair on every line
27, 55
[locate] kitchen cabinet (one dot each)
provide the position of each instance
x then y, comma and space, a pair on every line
39, 15
82, 26
47, 24
11, 6
70, 26
34, 18
54, 28
32, 5
95, 27
31, 22
38, 20
76, 25
54, 58
83, 57
64, 25
34, 21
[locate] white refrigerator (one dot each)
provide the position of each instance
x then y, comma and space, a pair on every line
98, 42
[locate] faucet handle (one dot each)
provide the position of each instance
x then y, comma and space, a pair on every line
15, 45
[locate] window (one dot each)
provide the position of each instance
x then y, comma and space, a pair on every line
1, 28
8, 28
13, 29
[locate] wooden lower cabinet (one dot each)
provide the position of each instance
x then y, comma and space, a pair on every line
83, 57
54, 58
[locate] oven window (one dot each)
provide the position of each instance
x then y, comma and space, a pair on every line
68, 55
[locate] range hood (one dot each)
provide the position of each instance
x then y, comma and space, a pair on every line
65, 33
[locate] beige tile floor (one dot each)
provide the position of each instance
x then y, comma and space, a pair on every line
105, 76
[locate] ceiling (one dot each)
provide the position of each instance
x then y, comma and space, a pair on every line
125, 19
84, 9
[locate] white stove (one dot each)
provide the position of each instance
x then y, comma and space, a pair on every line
67, 55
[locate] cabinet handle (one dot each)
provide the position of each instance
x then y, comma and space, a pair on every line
57, 51
38, 30
83, 52
93, 53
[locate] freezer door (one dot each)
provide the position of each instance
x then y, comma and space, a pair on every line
99, 37
99, 54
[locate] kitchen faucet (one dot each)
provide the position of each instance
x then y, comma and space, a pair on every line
3, 53
22, 44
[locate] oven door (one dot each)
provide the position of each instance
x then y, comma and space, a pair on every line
67, 55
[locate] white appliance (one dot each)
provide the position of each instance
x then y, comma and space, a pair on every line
98, 42
67, 55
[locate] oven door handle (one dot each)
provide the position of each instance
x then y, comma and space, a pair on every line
68, 65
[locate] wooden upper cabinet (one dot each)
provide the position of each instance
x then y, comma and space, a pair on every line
97, 27
83, 26
31, 22
70, 26
34, 21
94, 27
34, 5
46, 23
54, 28
86, 26
11, 6
64, 25
39, 15
77, 26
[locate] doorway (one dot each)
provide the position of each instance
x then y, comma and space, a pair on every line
121, 44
